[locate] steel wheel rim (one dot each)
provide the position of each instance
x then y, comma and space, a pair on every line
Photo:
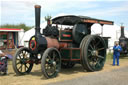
96, 53
52, 63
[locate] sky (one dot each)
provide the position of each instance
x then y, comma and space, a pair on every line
22, 11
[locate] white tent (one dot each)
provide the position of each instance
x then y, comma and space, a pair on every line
113, 31
28, 34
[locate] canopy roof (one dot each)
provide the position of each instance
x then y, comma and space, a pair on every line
72, 20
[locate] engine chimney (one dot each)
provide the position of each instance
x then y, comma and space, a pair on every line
122, 32
38, 42
37, 21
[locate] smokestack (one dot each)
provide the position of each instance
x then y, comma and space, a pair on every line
37, 20
122, 31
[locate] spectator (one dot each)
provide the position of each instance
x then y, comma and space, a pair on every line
3, 63
117, 48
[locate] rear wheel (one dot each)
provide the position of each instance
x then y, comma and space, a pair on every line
93, 52
21, 61
51, 63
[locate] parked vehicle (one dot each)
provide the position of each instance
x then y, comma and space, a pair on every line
123, 41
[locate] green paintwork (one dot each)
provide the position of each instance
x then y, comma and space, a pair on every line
70, 54
62, 37
65, 54
76, 54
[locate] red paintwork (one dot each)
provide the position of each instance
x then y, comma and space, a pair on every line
14, 29
52, 42
63, 45
65, 35
31, 61
30, 44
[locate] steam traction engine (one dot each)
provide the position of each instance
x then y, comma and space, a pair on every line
57, 48
123, 41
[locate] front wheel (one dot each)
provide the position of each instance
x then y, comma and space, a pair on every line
51, 63
21, 61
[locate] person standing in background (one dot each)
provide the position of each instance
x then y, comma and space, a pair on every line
117, 49
3, 63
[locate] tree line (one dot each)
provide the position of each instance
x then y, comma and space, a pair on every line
18, 26
22, 25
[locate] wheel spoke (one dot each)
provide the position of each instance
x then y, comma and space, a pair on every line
26, 66
91, 46
98, 64
94, 43
26, 52
49, 57
20, 68
57, 66
19, 56
93, 64
100, 56
89, 50
100, 49
18, 63
18, 59
97, 43
54, 55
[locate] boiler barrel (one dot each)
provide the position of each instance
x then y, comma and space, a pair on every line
52, 42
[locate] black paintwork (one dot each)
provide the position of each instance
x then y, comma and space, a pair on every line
123, 41
72, 19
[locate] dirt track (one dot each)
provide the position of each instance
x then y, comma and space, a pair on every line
36, 78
